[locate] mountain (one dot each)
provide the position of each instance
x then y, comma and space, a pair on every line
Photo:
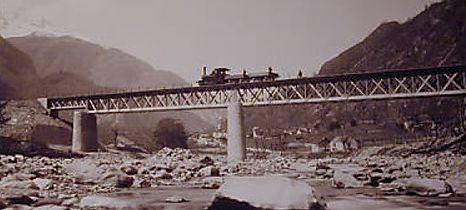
18, 77
105, 67
435, 37
70, 66
67, 83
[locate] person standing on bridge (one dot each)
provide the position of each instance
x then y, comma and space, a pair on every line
300, 74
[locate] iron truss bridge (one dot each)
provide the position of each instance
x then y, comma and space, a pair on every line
411, 83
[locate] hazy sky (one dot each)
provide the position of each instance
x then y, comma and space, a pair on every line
183, 35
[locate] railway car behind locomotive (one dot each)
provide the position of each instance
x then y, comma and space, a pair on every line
220, 75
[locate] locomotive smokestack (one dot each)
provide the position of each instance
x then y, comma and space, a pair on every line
204, 71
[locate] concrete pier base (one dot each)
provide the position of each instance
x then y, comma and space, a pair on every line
236, 145
84, 132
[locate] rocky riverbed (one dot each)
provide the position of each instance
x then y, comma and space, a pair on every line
73, 183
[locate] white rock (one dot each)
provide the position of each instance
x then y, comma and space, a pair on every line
301, 166
42, 183
176, 199
344, 179
163, 174
271, 192
458, 183
427, 187
70, 202
19, 177
96, 201
86, 169
50, 207
18, 184
209, 171
117, 179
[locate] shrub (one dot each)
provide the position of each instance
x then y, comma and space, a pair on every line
170, 133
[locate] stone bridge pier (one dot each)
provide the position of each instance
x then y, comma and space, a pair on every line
84, 132
236, 144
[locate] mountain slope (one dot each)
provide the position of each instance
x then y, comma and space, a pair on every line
17, 73
435, 37
66, 83
105, 67
70, 66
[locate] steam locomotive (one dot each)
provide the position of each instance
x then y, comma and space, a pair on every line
220, 75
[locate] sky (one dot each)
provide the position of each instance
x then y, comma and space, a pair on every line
183, 35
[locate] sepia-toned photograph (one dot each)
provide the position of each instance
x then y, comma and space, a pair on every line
233, 104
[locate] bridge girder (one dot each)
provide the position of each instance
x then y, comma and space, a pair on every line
443, 81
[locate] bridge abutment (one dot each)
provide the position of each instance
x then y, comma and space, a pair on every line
236, 145
84, 132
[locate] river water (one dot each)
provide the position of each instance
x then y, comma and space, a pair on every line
200, 198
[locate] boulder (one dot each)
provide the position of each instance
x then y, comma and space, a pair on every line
85, 169
301, 166
163, 174
393, 188
361, 176
99, 201
321, 165
50, 207
212, 182
345, 179
337, 145
118, 179
207, 161
458, 183
209, 171
142, 183
19, 177
159, 167
176, 199
70, 202
321, 172
25, 185
427, 187
374, 178
123, 181
21, 199
42, 183
48, 201
270, 192
130, 170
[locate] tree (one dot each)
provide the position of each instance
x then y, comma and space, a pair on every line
170, 133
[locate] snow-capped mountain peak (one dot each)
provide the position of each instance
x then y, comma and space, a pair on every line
14, 24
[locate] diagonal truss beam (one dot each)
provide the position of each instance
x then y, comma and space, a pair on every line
442, 81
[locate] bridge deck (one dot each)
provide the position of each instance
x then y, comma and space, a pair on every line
428, 82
